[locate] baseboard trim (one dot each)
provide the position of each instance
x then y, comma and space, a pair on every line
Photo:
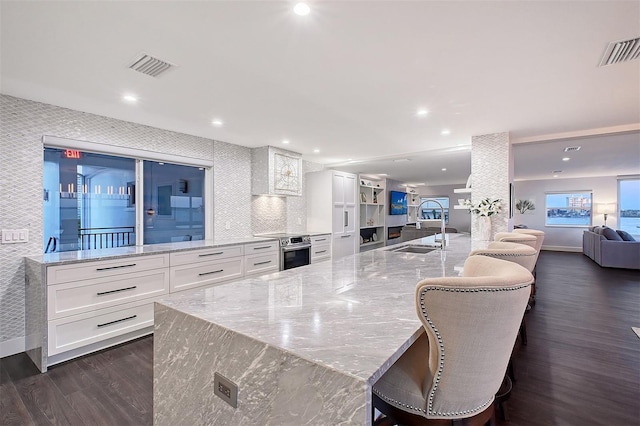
563, 248
12, 347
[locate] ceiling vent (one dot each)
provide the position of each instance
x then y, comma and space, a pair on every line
557, 171
621, 51
572, 148
147, 64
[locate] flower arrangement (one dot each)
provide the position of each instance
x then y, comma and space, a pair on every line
524, 205
485, 207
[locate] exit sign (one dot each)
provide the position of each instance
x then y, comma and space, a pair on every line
71, 153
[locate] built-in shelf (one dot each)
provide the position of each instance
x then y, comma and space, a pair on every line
462, 190
371, 226
372, 211
459, 207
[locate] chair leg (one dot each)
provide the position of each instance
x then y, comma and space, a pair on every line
510, 370
523, 332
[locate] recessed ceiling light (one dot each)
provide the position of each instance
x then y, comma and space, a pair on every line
217, 123
566, 159
422, 112
301, 9
555, 175
130, 98
445, 132
285, 141
444, 169
316, 150
400, 160
383, 174
349, 159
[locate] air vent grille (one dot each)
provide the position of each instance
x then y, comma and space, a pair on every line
621, 51
147, 64
572, 148
557, 171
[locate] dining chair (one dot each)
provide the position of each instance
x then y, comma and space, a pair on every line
452, 372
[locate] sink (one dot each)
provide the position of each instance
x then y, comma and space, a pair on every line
415, 249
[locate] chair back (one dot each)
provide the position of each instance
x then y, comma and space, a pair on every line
472, 323
513, 252
536, 233
516, 237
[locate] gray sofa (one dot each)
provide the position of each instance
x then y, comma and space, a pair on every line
610, 253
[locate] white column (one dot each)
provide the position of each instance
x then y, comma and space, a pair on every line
491, 173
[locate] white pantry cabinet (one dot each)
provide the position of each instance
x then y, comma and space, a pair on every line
332, 208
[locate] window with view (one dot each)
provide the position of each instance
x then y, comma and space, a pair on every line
629, 202
568, 209
431, 210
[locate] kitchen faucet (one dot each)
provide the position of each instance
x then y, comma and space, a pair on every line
443, 241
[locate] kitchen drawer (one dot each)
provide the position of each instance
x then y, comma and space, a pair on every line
259, 248
104, 268
205, 255
88, 295
262, 263
320, 252
199, 274
321, 239
80, 330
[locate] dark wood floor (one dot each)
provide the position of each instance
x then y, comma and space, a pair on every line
581, 365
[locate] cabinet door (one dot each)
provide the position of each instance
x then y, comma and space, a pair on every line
349, 188
350, 224
343, 245
340, 219
338, 187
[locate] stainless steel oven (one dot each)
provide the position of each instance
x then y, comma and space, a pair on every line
295, 250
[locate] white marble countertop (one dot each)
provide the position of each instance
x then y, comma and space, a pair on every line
356, 314
51, 259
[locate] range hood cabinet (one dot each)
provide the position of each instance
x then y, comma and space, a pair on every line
276, 171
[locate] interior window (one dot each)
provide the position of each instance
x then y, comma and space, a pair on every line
87, 201
173, 202
568, 209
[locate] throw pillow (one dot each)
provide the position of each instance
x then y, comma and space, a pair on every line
625, 235
611, 234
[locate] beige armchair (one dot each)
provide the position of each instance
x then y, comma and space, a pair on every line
457, 365
516, 237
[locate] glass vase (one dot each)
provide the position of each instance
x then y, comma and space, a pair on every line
484, 228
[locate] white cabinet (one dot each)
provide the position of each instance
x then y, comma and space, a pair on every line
331, 208
320, 248
91, 305
372, 213
261, 258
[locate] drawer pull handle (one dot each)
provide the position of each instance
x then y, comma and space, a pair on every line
263, 247
322, 239
116, 321
210, 254
209, 273
345, 236
321, 251
261, 263
115, 291
115, 267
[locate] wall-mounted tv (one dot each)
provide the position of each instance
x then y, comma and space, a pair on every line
398, 203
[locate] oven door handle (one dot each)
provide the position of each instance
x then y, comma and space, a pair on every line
294, 248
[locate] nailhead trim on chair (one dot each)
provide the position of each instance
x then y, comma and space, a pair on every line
501, 255
429, 410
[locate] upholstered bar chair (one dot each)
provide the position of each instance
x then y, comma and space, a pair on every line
516, 237
539, 239
453, 371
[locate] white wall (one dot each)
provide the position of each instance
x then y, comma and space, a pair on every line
604, 189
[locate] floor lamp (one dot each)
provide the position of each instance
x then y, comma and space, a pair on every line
605, 209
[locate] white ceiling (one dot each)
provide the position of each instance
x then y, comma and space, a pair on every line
346, 79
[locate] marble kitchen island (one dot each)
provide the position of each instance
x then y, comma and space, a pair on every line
304, 346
